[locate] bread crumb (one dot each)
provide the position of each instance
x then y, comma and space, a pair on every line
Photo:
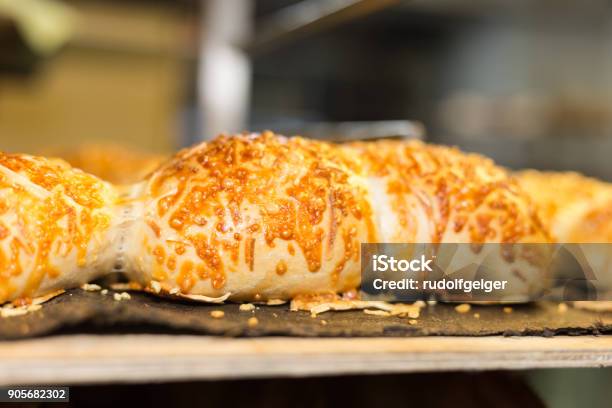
121, 296
414, 314
507, 310
322, 308
217, 314
155, 286
376, 312
246, 307
562, 308
252, 322
323, 322
90, 287
11, 311
174, 291
104, 291
463, 308
413, 321
476, 315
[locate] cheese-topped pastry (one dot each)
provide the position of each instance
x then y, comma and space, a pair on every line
256, 216
56, 226
262, 216
259, 216
577, 209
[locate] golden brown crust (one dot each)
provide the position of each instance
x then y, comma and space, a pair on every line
250, 204
51, 220
577, 209
265, 216
258, 215
466, 196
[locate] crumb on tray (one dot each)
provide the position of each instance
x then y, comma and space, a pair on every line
246, 307
463, 308
155, 286
217, 314
121, 296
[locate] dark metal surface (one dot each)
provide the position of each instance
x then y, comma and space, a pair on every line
350, 131
308, 17
79, 311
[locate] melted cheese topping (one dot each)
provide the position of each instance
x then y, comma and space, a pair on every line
52, 219
464, 197
227, 200
244, 213
259, 216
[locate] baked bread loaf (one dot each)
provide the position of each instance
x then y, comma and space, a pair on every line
576, 209
57, 226
262, 216
258, 216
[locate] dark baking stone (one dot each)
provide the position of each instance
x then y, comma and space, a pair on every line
79, 311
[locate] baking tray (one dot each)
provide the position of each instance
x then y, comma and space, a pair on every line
80, 311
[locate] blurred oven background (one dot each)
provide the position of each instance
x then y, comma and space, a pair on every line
528, 83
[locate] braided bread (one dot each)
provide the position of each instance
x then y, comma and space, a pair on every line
258, 216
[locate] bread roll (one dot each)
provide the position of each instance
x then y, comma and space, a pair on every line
263, 216
57, 226
577, 209
259, 216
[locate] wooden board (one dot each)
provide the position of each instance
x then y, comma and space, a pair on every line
76, 359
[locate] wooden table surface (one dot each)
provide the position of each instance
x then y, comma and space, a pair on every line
78, 359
